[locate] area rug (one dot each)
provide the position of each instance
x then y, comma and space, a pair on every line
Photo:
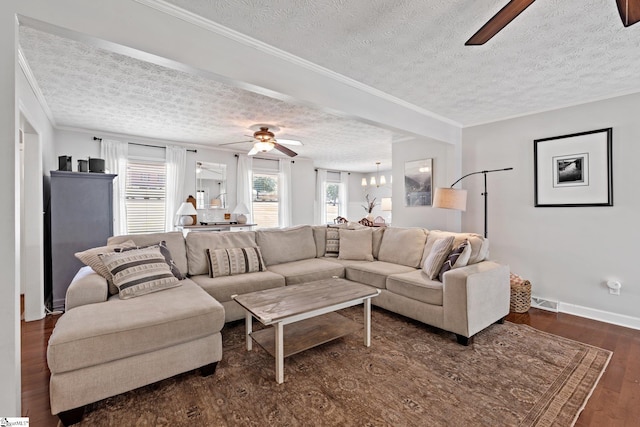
412, 375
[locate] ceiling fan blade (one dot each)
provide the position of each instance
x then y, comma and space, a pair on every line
253, 151
289, 141
629, 11
499, 21
237, 142
285, 150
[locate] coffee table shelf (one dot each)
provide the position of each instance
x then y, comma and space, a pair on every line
308, 333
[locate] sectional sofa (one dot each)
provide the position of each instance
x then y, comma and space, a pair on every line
104, 345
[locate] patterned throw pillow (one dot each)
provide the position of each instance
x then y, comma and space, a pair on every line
91, 257
333, 241
437, 256
454, 256
229, 262
164, 250
139, 272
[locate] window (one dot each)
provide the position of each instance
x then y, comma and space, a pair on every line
145, 196
333, 196
332, 191
265, 199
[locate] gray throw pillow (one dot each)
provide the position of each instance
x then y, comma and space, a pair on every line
453, 257
356, 244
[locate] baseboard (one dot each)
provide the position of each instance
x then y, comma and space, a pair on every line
600, 315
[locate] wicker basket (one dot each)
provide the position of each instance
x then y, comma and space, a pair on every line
520, 294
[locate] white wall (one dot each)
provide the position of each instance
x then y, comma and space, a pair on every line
567, 253
445, 172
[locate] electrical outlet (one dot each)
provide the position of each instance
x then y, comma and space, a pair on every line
614, 287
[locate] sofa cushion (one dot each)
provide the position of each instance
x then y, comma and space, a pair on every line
139, 272
374, 273
199, 242
174, 240
438, 255
308, 270
417, 286
286, 244
356, 244
479, 245
403, 246
228, 262
320, 237
346, 262
91, 258
221, 288
95, 334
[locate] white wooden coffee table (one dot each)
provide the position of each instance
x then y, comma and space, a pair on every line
310, 311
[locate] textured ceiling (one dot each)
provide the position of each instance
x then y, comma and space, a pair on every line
556, 53
87, 87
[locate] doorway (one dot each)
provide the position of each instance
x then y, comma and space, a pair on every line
31, 221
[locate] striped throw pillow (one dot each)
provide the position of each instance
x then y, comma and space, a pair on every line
139, 272
91, 257
333, 241
439, 253
232, 261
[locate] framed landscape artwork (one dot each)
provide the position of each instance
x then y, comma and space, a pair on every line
574, 170
417, 182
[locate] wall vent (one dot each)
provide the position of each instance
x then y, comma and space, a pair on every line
544, 304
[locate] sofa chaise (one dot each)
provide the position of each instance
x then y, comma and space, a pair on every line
104, 345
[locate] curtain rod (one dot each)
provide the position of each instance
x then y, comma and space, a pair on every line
95, 138
263, 158
349, 173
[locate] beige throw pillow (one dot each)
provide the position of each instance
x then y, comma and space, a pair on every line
356, 244
439, 252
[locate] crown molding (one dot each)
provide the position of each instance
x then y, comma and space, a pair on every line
192, 18
26, 69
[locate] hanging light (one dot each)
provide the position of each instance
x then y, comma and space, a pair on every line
264, 146
364, 182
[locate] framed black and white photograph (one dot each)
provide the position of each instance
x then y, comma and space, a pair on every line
418, 182
574, 170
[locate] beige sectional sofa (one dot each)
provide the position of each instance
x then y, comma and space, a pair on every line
103, 346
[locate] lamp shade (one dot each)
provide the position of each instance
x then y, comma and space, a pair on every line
241, 208
385, 204
364, 182
187, 208
383, 181
450, 198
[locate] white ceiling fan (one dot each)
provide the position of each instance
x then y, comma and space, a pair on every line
264, 140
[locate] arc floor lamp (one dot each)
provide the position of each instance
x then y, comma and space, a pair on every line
455, 198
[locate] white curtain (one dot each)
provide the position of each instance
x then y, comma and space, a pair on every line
344, 194
321, 197
176, 161
244, 183
115, 154
285, 205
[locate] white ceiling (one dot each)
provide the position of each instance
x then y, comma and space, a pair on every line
557, 53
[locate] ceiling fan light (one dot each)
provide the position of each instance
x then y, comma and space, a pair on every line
264, 146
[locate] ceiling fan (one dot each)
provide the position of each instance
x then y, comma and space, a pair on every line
629, 13
264, 140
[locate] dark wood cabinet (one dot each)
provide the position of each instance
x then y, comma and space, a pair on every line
81, 218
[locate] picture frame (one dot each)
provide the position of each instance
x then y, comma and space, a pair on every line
418, 182
574, 170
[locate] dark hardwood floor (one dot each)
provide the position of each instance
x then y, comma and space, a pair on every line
615, 401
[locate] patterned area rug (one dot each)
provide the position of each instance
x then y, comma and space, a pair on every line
413, 374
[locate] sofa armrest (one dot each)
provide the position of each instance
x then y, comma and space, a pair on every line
87, 287
475, 296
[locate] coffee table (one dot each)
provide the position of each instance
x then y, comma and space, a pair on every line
310, 311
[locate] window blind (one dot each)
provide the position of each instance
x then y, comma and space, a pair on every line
145, 196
